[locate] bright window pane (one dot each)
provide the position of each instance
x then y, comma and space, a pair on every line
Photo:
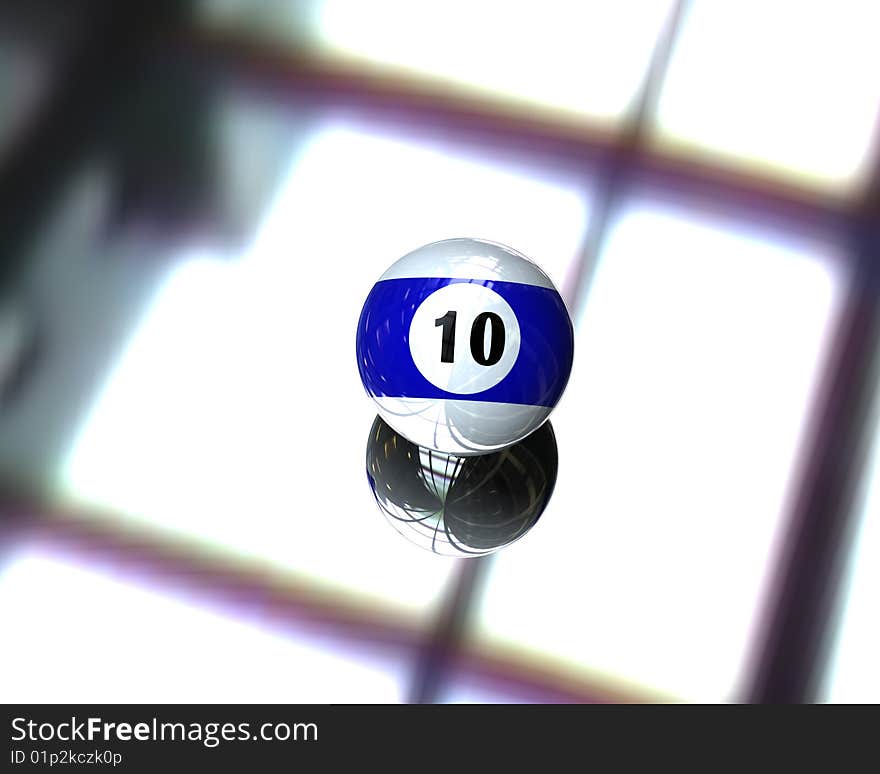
83, 636
590, 57
695, 362
587, 58
788, 85
236, 415
854, 674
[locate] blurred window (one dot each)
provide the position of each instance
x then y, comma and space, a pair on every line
228, 427
84, 635
785, 87
229, 417
584, 58
697, 354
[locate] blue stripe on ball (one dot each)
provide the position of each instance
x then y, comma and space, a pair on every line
538, 376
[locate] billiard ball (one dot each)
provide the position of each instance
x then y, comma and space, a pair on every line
465, 346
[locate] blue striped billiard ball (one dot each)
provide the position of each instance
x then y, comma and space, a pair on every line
465, 346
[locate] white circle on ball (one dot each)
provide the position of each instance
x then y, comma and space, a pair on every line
464, 338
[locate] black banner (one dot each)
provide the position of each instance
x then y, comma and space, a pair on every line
143, 738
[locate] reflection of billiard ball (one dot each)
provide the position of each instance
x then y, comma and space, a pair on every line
465, 345
461, 506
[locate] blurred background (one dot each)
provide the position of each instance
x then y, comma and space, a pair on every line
195, 199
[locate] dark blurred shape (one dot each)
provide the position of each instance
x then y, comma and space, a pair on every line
20, 349
107, 50
461, 506
163, 154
